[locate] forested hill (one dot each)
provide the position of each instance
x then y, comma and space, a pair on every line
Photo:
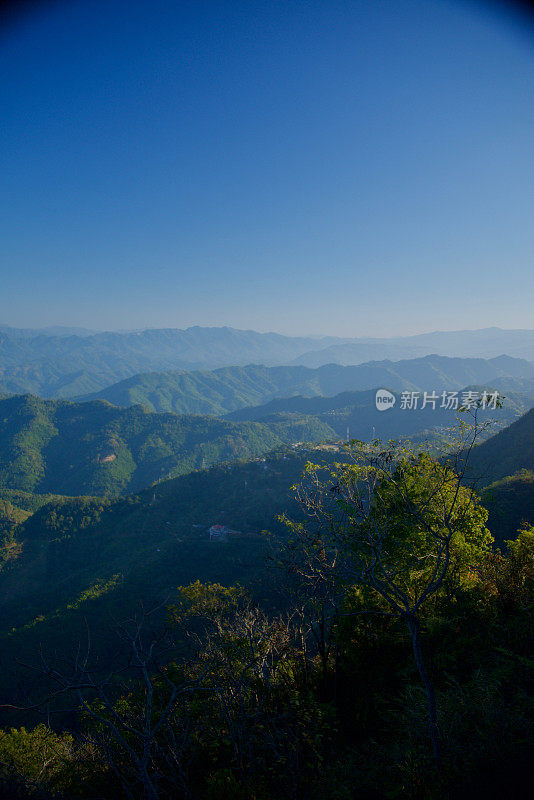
506, 453
96, 559
228, 389
504, 465
95, 448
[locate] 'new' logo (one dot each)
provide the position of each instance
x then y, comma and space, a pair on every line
384, 400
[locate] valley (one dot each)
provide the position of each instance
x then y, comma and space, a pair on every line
106, 501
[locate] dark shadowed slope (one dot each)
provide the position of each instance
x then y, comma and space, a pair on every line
510, 503
94, 560
505, 453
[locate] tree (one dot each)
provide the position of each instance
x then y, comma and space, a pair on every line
35, 762
400, 525
135, 712
223, 720
263, 733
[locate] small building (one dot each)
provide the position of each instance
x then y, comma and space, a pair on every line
221, 533
218, 533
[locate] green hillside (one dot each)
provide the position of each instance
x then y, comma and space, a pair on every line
80, 565
94, 448
97, 558
231, 388
504, 464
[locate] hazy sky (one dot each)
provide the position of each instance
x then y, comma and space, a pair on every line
351, 168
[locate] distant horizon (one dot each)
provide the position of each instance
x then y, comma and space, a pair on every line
91, 331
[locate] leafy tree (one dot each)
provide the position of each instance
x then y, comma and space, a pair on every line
34, 761
400, 526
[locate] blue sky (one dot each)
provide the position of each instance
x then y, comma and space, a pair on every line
349, 168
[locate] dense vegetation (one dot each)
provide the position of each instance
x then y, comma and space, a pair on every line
365, 632
95, 448
510, 503
95, 558
303, 685
228, 389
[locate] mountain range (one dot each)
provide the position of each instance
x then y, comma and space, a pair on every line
483, 343
354, 415
77, 561
65, 366
61, 362
231, 388
68, 468
94, 448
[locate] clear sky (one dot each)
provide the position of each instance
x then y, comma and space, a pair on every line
351, 168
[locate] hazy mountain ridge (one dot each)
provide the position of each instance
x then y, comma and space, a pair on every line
71, 365
50, 330
58, 363
354, 415
483, 343
228, 389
